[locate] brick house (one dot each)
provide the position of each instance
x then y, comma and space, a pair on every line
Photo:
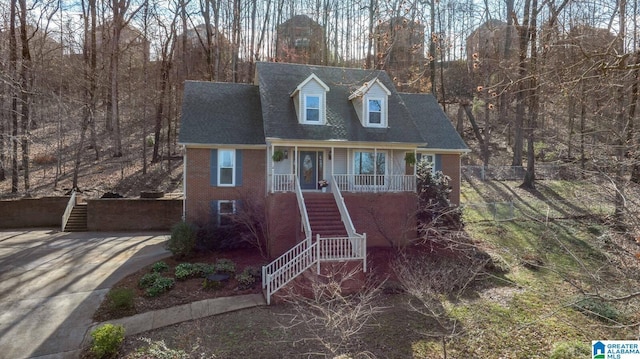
275, 142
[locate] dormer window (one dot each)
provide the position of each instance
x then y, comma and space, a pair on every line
370, 102
312, 108
374, 112
310, 101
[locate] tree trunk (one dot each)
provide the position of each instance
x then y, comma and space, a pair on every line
476, 130
13, 70
165, 70
523, 36
432, 46
25, 85
633, 136
534, 106
621, 150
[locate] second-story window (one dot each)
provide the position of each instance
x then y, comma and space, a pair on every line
226, 167
312, 108
375, 112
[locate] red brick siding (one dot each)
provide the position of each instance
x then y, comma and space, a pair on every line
384, 217
123, 214
200, 193
283, 217
451, 168
32, 212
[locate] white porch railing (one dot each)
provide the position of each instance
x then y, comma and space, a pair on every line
288, 266
343, 249
305, 254
67, 211
375, 183
283, 182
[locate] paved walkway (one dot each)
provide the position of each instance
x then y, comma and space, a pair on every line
52, 282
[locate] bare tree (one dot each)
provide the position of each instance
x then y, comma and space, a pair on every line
13, 70
334, 318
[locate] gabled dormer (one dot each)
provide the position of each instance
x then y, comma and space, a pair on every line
310, 100
371, 102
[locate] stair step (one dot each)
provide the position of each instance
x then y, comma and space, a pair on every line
77, 221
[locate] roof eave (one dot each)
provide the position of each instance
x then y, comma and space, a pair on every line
219, 145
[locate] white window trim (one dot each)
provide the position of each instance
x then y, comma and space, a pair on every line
220, 214
233, 168
321, 111
383, 111
386, 159
433, 160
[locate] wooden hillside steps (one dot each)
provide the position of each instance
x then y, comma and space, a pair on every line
324, 216
78, 219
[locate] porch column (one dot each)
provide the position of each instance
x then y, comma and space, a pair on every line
273, 168
333, 155
295, 168
375, 170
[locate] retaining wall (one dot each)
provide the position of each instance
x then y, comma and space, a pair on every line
32, 212
117, 214
124, 214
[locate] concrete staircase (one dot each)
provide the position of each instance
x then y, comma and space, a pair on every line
78, 219
324, 215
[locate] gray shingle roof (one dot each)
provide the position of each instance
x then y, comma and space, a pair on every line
433, 124
277, 81
228, 113
221, 113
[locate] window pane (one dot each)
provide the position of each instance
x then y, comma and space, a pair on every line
375, 111
226, 207
365, 164
375, 105
375, 117
313, 115
313, 102
226, 175
226, 158
381, 163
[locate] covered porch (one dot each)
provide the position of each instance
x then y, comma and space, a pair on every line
352, 168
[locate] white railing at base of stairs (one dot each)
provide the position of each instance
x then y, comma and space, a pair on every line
303, 256
67, 211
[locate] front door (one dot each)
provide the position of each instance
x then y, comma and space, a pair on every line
310, 169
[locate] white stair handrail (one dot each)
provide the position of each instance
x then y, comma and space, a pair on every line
306, 225
342, 207
306, 254
283, 275
67, 211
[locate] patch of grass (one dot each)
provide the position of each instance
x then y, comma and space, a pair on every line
571, 350
121, 299
599, 309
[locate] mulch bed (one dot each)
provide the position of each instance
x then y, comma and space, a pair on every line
184, 291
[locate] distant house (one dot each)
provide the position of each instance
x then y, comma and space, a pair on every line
301, 40
399, 44
192, 50
487, 44
279, 140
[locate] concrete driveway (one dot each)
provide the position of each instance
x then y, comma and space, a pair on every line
52, 282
